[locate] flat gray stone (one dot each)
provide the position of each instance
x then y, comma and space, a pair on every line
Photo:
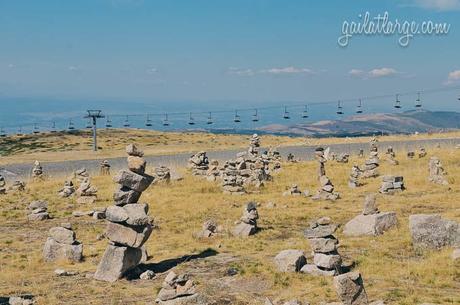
375, 224
431, 231
116, 261
290, 260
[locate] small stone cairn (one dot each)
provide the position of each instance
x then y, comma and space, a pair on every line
38, 210
104, 168
68, 189
372, 164
350, 289
326, 190
162, 174
2, 185
391, 156
128, 226
291, 158
410, 154
353, 179
37, 171
361, 153
295, 191
81, 174
319, 156
392, 184
326, 259
209, 229
371, 221
342, 158
437, 173
214, 172
86, 193
17, 186
232, 182
62, 245
199, 164
176, 290
247, 225
422, 152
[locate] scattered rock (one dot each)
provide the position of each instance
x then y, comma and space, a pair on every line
290, 260
392, 184
350, 289
431, 231
437, 173
248, 222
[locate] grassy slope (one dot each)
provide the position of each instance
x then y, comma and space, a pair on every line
391, 269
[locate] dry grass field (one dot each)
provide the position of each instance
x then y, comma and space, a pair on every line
391, 269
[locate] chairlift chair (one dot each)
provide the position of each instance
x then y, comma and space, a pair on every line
148, 121
36, 130
397, 104
339, 108
191, 121
126, 122
209, 121
71, 125
53, 127
108, 122
19, 133
165, 121
305, 113
359, 108
2, 133
236, 118
255, 116
286, 114
418, 101
88, 124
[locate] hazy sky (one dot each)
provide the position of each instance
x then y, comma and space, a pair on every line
214, 50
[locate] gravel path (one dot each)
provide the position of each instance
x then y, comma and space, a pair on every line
22, 170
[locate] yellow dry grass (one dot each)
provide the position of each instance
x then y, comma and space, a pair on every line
391, 269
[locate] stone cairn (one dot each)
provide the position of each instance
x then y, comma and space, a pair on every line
371, 221
2, 185
437, 173
38, 210
104, 168
350, 289
326, 190
62, 245
37, 171
319, 156
17, 186
162, 174
199, 164
392, 184
128, 226
326, 259
342, 158
291, 158
176, 290
391, 156
295, 191
247, 225
422, 153
372, 163
68, 189
86, 193
209, 229
81, 174
410, 154
353, 179
232, 182
254, 145
214, 171
361, 153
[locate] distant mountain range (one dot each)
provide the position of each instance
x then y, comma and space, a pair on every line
366, 124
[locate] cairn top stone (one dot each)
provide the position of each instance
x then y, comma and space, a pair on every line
319, 231
133, 150
370, 205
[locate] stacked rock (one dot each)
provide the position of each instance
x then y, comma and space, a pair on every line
410, 155
254, 145
214, 171
392, 184
199, 164
162, 174
209, 229
128, 226
326, 259
342, 158
232, 182
177, 289
353, 179
68, 189
37, 171
422, 152
2, 185
371, 221
391, 156
87, 194
81, 174
273, 155
437, 173
17, 186
291, 158
294, 191
104, 168
371, 165
361, 153
290, 260
319, 156
38, 210
326, 191
350, 289
248, 222
62, 245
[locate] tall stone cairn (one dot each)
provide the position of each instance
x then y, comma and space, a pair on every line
319, 156
37, 171
2, 185
232, 181
353, 179
391, 156
247, 225
437, 173
199, 164
254, 145
372, 163
129, 226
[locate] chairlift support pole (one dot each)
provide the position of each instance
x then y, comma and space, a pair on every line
93, 115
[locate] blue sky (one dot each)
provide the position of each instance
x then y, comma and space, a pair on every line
215, 51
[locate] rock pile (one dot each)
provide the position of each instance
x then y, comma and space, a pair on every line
353, 179
431, 231
248, 222
162, 174
326, 259
371, 221
199, 164
326, 191
210, 229
2, 185
62, 245
254, 145
391, 156
177, 290
361, 153
214, 172
437, 173
38, 210
37, 171
81, 174
68, 189
392, 184
17, 186
128, 226
350, 289
232, 182
422, 153
342, 158
410, 154
319, 156
371, 165
295, 191
104, 168
86, 193
290, 158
